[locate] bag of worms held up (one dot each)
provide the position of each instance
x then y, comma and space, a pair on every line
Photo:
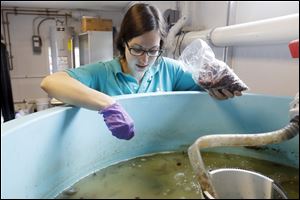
207, 71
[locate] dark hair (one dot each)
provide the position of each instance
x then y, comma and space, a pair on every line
139, 19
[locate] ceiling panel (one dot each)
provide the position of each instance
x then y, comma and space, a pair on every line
86, 5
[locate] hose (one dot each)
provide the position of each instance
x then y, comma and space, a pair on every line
204, 179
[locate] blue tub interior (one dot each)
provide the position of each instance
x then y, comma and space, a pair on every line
46, 152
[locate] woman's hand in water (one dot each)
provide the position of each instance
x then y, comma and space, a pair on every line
118, 121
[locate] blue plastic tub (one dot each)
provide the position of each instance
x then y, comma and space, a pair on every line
46, 152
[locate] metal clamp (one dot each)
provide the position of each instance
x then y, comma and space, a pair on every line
208, 36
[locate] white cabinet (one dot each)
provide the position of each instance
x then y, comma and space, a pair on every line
95, 46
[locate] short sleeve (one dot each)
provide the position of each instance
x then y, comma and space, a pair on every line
91, 75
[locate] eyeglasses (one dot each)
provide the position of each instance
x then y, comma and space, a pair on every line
139, 52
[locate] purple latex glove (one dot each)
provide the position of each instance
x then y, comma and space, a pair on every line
118, 121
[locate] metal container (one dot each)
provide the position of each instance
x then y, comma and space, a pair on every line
244, 184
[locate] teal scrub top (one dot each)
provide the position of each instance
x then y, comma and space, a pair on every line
107, 77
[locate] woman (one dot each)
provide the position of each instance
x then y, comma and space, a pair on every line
139, 69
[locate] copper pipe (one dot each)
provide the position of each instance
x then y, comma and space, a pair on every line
16, 12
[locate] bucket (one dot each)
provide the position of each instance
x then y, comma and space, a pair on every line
42, 104
244, 184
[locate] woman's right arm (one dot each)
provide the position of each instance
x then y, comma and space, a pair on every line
69, 90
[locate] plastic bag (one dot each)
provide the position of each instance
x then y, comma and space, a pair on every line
207, 71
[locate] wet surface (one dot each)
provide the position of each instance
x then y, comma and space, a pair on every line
171, 176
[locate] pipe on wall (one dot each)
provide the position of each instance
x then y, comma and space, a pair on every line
276, 30
270, 31
230, 20
15, 11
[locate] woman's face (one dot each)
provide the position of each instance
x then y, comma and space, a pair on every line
139, 64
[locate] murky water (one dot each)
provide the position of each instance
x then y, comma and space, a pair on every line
165, 176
